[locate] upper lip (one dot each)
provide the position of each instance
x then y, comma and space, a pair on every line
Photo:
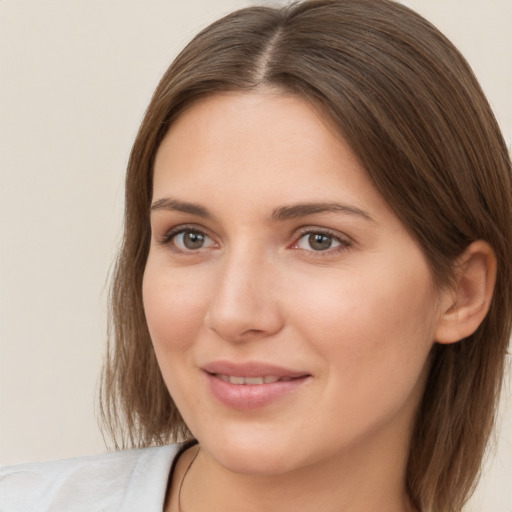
250, 369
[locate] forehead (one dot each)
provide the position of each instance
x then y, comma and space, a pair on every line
235, 142
263, 123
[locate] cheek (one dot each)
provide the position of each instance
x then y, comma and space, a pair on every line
174, 305
372, 326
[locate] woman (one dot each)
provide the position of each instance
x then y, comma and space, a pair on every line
315, 268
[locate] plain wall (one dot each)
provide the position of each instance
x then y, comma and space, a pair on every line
75, 79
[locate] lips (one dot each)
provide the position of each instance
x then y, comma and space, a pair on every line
252, 381
252, 385
251, 369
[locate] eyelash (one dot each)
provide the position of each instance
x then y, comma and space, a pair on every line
344, 243
174, 232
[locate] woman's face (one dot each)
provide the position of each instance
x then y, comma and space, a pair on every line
291, 313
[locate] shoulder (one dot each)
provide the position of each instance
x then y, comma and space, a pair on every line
130, 480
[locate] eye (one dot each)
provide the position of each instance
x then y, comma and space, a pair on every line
320, 242
188, 240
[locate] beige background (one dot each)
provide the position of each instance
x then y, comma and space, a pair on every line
75, 78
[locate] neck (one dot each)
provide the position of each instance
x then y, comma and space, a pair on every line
367, 478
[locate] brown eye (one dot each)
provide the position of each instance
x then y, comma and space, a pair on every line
189, 240
193, 240
320, 242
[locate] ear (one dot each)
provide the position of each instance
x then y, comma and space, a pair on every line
464, 307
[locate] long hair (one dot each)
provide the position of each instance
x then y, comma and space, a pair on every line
411, 109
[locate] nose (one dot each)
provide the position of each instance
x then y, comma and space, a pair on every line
245, 304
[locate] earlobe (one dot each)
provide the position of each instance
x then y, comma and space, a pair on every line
464, 307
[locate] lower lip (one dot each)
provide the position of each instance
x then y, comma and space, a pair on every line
247, 397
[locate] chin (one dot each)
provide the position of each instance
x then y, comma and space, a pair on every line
254, 462
255, 454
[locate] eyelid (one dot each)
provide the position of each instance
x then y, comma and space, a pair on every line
170, 234
345, 242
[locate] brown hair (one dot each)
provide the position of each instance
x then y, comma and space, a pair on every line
409, 106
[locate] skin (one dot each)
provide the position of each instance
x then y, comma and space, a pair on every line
359, 317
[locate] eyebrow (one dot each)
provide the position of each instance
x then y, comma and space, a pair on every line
279, 214
170, 204
302, 210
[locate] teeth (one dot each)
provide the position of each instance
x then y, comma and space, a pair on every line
250, 381
253, 380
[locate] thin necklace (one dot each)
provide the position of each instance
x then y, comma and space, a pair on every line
183, 478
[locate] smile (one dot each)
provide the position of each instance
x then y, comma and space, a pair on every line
252, 381
253, 385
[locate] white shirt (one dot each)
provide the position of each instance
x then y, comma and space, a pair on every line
124, 481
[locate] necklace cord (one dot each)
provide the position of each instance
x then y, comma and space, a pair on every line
183, 478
